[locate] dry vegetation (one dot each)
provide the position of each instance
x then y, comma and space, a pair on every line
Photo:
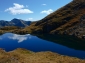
13, 29
24, 56
64, 19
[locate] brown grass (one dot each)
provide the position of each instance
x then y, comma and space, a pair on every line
25, 56
61, 20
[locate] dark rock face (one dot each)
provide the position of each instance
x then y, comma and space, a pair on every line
15, 22
79, 29
82, 18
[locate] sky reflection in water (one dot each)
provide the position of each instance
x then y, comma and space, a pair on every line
11, 41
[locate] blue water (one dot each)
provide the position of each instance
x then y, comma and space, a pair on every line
11, 41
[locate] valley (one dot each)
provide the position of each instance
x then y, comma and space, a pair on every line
57, 38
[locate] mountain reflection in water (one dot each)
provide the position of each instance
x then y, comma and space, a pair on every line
62, 44
65, 40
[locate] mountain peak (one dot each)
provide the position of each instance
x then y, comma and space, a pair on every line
15, 19
15, 22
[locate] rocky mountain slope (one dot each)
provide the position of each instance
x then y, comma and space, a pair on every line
15, 22
69, 19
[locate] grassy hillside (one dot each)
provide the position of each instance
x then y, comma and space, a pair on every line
24, 56
13, 29
67, 20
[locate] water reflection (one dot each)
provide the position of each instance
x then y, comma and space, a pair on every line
65, 40
20, 38
0, 38
61, 44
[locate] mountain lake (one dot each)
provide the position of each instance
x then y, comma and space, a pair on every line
39, 43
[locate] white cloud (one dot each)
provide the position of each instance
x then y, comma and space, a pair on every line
47, 11
20, 38
18, 9
44, 4
29, 19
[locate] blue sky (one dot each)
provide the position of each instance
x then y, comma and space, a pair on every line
29, 9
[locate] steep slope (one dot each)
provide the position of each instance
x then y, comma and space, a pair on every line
69, 19
15, 22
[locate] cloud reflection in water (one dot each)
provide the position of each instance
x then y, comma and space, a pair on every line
0, 38
20, 38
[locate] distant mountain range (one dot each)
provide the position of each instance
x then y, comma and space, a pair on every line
15, 22
69, 20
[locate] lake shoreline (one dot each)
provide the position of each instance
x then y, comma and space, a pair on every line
26, 56
56, 56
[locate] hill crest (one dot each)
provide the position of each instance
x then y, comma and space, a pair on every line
66, 20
